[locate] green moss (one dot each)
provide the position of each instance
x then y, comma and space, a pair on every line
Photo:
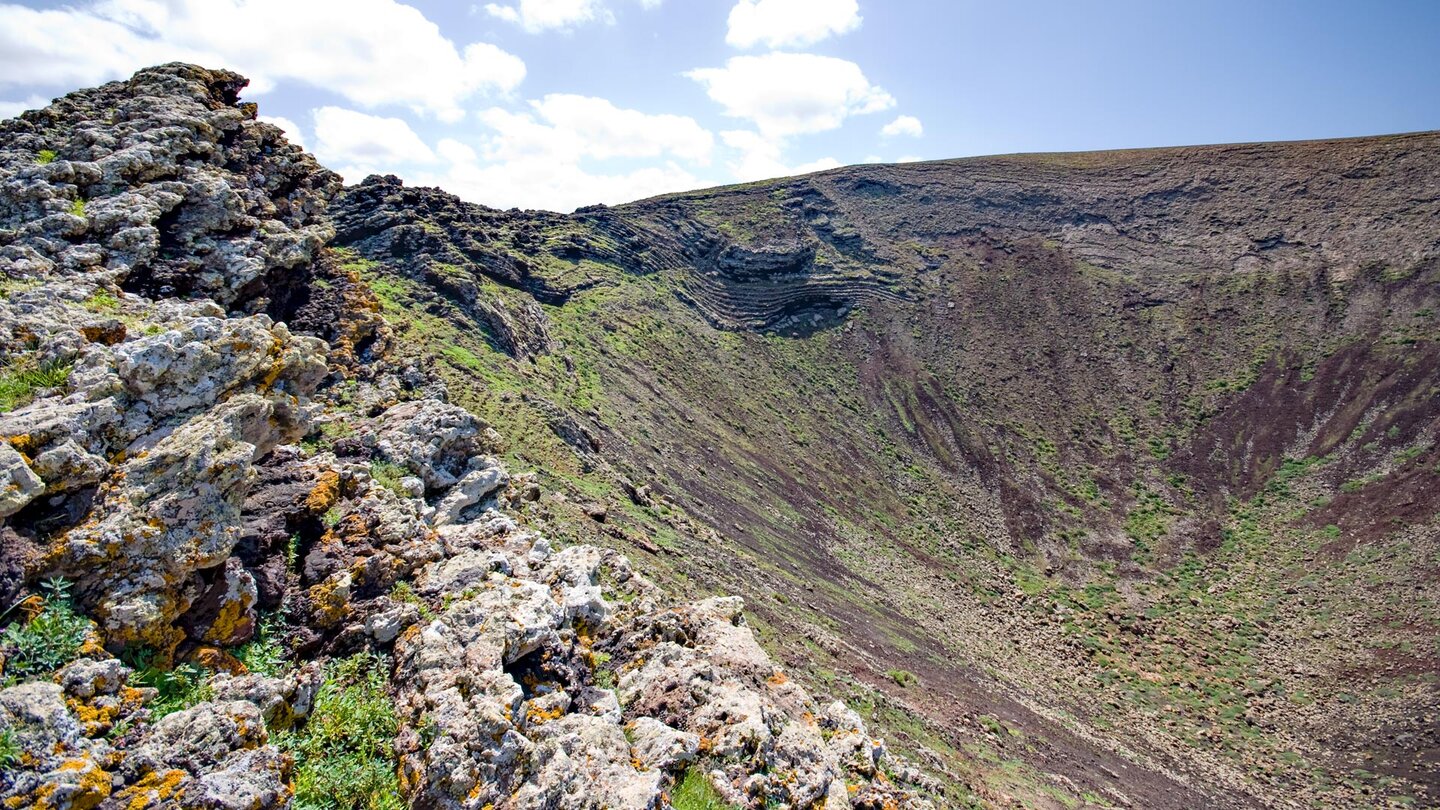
102, 301
78, 208
46, 156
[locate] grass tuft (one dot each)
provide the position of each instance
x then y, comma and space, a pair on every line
694, 792
22, 379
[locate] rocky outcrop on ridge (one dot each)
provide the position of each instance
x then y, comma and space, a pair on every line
176, 450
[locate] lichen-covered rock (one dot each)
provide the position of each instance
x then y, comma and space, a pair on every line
435, 441
165, 182
19, 485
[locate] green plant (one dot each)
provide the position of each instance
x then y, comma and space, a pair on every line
101, 300
344, 753
903, 677
694, 792
264, 654
49, 640
78, 208
405, 592
22, 378
388, 474
9, 747
177, 688
46, 156
332, 517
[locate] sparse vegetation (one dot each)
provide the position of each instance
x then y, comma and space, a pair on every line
177, 688
9, 747
694, 792
388, 474
902, 677
265, 653
51, 639
344, 752
46, 156
23, 378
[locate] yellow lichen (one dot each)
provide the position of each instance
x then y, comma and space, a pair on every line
325, 493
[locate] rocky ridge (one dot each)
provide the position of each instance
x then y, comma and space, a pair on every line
180, 452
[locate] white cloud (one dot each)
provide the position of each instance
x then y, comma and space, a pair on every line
903, 125
540, 159
792, 93
760, 158
372, 52
536, 181
292, 129
10, 109
541, 15
797, 23
607, 131
355, 144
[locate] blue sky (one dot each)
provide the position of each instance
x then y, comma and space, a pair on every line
560, 103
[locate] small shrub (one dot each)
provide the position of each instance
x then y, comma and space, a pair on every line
9, 747
344, 753
405, 592
178, 688
48, 641
265, 654
23, 378
46, 156
902, 676
694, 792
388, 474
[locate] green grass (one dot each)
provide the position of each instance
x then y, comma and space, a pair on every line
344, 753
21, 379
904, 677
78, 208
694, 792
100, 300
52, 639
46, 156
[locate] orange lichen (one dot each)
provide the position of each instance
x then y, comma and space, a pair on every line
779, 678
325, 493
217, 660
91, 787
95, 720
537, 715
155, 789
24, 444
330, 604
